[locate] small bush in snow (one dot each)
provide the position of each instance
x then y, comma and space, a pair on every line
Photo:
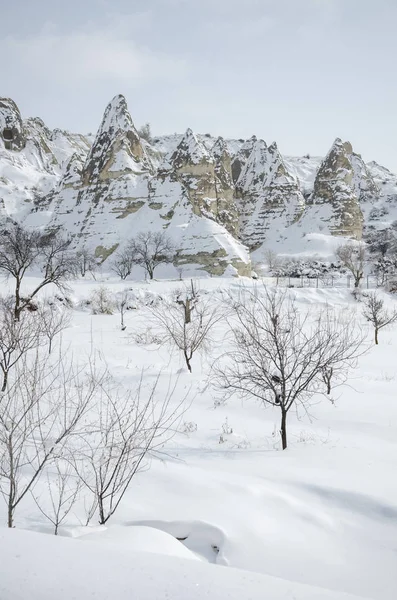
147, 337
101, 301
188, 427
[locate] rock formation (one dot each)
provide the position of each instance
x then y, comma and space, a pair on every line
11, 127
266, 193
343, 182
210, 195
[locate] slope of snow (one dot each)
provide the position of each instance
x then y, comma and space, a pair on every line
40, 567
322, 514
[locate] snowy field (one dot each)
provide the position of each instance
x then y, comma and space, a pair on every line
317, 521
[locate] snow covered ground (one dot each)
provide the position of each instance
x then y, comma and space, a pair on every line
317, 521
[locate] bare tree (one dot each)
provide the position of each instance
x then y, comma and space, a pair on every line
53, 320
272, 259
151, 249
42, 407
279, 356
123, 262
63, 489
22, 249
86, 262
145, 132
131, 427
16, 337
122, 305
352, 257
187, 323
375, 312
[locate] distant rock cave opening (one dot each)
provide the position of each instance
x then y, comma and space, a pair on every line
8, 137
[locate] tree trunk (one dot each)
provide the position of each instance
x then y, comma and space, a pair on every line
5, 379
187, 312
376, 336
102, 519
17, 310
283, 429
10, 516
187, 359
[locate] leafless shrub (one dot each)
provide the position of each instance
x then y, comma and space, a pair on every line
148, 337
102, 301
86, 262
22, 249
151, 249
63, 489
131, 427
353, 257
375, 312
145, 132
42, 407
52, 320
273, 261
187, 323
17, 337
123, 262
279, 357
122, 301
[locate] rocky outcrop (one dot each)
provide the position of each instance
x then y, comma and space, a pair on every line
266, 193
114, 195
241, 158
195, 169
12, 130
212, 196
117, 149
226, 208
342, 183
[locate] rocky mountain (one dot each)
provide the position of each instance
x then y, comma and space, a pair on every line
221, 201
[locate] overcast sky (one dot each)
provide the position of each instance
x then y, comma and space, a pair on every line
300, 72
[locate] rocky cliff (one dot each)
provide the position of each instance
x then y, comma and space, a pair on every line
214, 197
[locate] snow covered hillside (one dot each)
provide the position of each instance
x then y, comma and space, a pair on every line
222, 512
219, 200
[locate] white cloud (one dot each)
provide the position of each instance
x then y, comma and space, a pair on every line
87, 57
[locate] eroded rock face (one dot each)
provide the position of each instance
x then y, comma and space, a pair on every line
103, 192
11, 127
195, 169
266, 194
192, 194
343, 182
117, 148
226, 208
241, 158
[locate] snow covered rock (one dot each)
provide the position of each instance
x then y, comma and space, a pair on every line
212, 196
11, 127
226, 209
343, 181
241, 157
266, 194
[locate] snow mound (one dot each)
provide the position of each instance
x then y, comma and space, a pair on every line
43, 567
138, 538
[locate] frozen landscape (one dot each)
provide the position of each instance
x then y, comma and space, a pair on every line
208, 504
223, 512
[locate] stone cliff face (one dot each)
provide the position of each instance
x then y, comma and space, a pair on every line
344, 183
117, 148
115, 193
11, 127
226, 208
266, 193
212, 196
